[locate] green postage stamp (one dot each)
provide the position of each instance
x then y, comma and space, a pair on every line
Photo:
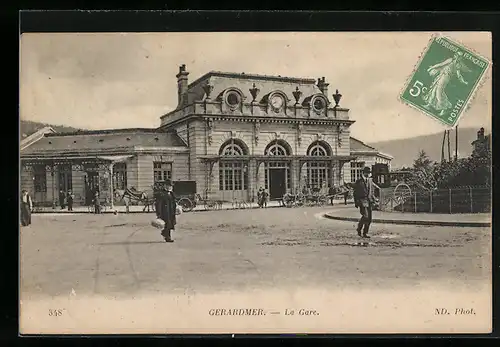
445, 80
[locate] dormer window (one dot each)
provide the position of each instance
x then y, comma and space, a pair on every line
319, 104
233, 99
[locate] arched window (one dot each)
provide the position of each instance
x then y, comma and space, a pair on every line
232, 148
277, 148
318, 149
233, 174
317, 171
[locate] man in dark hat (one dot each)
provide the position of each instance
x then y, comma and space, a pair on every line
165, 204
364, 199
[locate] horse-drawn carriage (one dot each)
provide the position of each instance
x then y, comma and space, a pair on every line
185, 192
188, 198
316, 196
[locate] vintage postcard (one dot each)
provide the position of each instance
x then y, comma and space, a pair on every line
291, 182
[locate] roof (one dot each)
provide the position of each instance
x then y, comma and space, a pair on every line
37, 135
106, 131
244, 82
87, 141
360, 146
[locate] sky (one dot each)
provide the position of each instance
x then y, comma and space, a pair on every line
126, 80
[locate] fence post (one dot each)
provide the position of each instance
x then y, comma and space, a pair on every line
449, 193
430, 201
470, 198
415, 202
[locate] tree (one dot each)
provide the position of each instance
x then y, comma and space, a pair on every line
422, 175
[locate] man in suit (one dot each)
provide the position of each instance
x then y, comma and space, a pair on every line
165, 205
364, 199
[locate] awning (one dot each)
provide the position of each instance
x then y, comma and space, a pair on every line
116, 158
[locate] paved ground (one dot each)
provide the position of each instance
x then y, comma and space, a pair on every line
241, 249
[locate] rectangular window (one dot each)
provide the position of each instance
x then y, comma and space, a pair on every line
221, 177
120, 176
162, 171
356, 170
238, 179
229, 178
40, 178
232, 176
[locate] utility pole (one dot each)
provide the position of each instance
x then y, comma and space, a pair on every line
456, 143
449, 148
442, 146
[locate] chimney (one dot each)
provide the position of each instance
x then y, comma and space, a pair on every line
323, 86
182, 86
480, 134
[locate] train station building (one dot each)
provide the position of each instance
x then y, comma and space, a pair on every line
232, 133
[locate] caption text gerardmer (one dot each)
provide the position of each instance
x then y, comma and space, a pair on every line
260, 312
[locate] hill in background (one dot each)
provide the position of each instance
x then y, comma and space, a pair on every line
405, 151
26, 128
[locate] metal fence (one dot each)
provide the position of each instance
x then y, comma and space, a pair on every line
454, 200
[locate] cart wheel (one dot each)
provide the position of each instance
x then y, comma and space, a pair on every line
186, 204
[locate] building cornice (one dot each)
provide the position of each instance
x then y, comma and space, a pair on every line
254, 119
244, 104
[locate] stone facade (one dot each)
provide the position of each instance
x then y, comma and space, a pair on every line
276, 123
231, 133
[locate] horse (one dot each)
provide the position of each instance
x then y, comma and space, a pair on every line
131, 194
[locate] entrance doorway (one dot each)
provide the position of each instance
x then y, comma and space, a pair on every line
65, 179
91, 186
277, 183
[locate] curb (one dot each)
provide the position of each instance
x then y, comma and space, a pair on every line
414, 222
131, 212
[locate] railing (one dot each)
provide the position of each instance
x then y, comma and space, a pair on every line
453, 200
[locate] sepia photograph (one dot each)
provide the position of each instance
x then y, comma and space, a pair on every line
255, 183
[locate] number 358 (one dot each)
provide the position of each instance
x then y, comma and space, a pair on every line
55, 313
417, 89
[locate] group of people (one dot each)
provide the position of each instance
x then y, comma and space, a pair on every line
66, 199
166, 205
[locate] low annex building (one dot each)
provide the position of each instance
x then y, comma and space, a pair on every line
231, 133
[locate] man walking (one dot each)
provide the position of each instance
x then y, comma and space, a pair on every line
364, 199
165, 206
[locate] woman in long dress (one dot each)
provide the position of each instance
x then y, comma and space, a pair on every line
26, 208
444, 71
